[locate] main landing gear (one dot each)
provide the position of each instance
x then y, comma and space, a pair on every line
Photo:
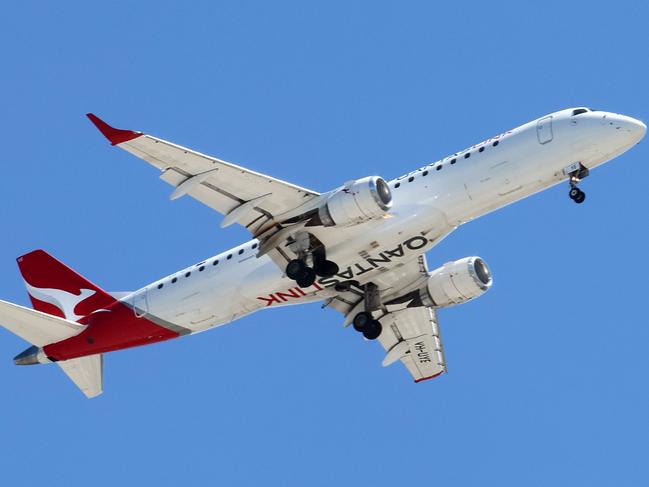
364, 322
367, 325
577, 173
305, 276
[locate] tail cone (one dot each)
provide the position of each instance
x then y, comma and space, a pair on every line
33, 355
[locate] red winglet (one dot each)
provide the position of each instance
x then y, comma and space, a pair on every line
115, 136
431, 377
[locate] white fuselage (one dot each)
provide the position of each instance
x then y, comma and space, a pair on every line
428, 204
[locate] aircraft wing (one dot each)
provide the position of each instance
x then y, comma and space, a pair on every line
246, 197
411, 331
412, 335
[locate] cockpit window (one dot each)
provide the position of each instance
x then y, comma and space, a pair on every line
577, 111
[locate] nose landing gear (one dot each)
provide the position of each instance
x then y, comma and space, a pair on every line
577, 195
576, 171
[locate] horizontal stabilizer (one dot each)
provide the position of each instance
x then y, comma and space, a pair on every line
87, 373
37, 328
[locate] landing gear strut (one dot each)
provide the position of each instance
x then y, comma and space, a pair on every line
577, 173
364, 322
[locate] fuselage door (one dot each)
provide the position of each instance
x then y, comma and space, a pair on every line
140, 303
544, 130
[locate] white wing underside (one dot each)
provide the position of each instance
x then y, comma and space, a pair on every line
249, 198
411, 335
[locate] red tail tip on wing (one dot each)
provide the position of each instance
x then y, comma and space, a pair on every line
115, 136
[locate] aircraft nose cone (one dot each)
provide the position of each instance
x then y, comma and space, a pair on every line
641, 128
635, 129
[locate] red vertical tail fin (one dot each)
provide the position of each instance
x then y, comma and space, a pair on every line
56, 289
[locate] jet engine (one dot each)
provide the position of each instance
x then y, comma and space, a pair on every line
356, 202
457, 282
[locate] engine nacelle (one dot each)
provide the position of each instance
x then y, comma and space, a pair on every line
457, 282
357, 202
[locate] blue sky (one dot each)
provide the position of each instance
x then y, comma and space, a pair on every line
547, 381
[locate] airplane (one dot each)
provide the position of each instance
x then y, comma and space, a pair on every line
359, 248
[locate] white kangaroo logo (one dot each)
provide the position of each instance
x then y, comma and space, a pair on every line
65, 301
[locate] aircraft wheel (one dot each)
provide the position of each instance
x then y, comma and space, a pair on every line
373, 330
296, 269
307, 279
326, 268
574, 192
361, 321
580, 197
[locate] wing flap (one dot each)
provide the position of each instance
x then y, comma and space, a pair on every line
36, 327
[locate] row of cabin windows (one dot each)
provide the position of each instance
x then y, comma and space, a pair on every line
202, 267
452, 161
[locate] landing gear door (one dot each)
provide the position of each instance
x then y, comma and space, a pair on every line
140, 304
544, 130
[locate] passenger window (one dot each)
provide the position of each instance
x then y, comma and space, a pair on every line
160, 285
188, 274
495, 143
215, 262
453, 161
240, 251
174, 280
467, 155
397, 185
439, 166
201, 268
481, 149
411, 179
425, 173
229, 256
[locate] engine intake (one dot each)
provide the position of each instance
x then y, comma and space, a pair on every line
357, 202
457, 282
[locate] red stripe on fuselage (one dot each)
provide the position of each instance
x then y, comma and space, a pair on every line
116, 328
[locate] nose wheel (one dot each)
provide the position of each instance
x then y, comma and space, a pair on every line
576, 172
577, 195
